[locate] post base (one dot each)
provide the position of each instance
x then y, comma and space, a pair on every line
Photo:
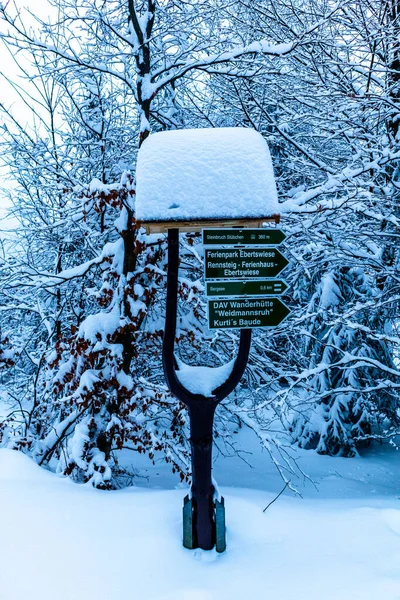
220, 529
188, 525
188, 533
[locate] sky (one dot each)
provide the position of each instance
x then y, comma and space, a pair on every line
10, 99
8, 68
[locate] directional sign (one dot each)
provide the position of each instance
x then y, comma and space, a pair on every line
247, 237
243, 263
246, 313
262, 287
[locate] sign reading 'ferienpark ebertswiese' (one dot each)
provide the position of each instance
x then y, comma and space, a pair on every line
247, 263
246, 313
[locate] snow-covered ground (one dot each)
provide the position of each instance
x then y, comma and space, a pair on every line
62, 541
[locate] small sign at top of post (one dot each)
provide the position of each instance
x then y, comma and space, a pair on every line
245, 237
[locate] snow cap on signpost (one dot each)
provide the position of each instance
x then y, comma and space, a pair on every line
203, 175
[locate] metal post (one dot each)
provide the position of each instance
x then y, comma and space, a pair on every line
201, 440
201, 412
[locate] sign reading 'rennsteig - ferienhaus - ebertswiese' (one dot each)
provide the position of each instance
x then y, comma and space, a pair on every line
248, 263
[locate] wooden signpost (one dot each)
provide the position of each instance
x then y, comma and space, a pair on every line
226, 189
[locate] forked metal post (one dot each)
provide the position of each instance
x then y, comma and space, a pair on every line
202, 515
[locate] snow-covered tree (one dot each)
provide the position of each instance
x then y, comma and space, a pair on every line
319, 82
330, 115
352, 327
98, 392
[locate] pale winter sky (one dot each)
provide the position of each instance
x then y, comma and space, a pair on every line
8, 68
8, 96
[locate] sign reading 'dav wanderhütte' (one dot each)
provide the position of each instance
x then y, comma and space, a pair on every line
246, 313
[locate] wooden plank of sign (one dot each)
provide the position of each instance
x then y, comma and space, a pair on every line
195, 226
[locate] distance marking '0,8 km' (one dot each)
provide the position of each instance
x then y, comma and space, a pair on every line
244, 237
262, 287
243, 263
246, 313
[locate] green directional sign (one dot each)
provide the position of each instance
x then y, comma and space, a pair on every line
247, 237
246, 313
262, 287
243, 263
